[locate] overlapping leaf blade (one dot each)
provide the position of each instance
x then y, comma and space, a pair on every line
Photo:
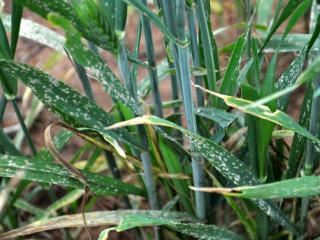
36, 32
52, 173
93, 219
61, 7
226, 163
96, 65
68, 104
198, 230
293, 188
264, 112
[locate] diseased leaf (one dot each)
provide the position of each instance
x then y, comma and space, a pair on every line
221, 117
294, 188
288, 78
92, 30
98, 69
226, 163
52, 173
291, 79
197, 230
68, 104
229, 82
264, 112
299, 142
292, 43
93, 219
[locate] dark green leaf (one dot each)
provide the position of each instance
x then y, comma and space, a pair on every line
52, 173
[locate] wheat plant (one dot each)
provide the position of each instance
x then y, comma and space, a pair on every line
223, 145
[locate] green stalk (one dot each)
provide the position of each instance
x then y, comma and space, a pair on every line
121, 13
152, 65
17, 11
169, 16
7, 145
195, 53
207, 45
115, 172
248, 19
24, 127
84, 80
313, 128
169, 19
3, 105
183, 62
145, 154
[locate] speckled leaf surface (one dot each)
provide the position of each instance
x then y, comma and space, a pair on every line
264, 112
289, 77
68, 104
52, 173
197, 230
93, 219
277, 117
229, 81
298, 187
221, 117
226, 163
299, 142
97, 67
293, 188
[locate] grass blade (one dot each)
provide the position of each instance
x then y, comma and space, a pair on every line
152, 64
94, 219
96, 65
264, 112
298, 142
15, 25
143, 9
286, 12
207, 46
229, 85
197, 230
198, 174
226, 163
75, 109
294, 188
52, 173
221, 117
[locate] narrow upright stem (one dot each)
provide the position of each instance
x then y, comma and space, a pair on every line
195, 53
313, 128
3, 105
84, 80
183, 63
152, 65
207, 44
24, 127
168, 8
144, 154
